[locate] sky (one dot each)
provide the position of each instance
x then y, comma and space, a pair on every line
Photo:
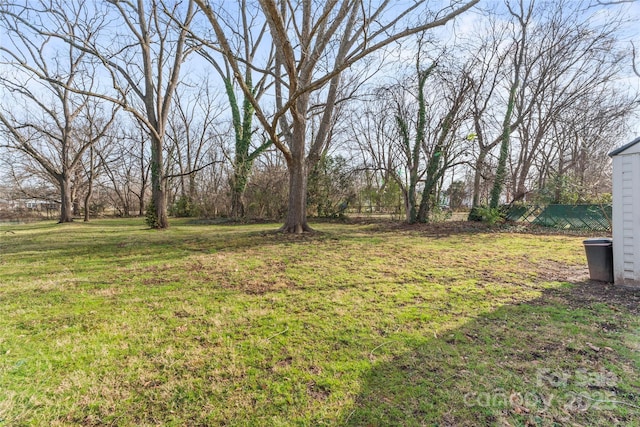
465, 26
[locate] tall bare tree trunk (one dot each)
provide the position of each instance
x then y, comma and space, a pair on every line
296, 221
66, 203
158, 194
87, 197
87, 202
477, 177
143, 184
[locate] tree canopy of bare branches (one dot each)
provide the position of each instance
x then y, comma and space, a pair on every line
314, 43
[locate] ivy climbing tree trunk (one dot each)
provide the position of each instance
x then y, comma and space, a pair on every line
436, 165
523, 16
412, 154
243, 156
501, 170
241, 163
438, 162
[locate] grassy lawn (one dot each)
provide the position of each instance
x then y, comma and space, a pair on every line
108, 323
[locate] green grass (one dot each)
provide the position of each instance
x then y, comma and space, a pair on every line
108, 323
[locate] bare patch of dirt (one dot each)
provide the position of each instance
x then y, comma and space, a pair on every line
589, 292
556, 271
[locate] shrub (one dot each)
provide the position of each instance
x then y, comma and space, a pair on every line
151, 219
184, 207
486, 214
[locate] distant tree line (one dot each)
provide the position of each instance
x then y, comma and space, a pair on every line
282, 109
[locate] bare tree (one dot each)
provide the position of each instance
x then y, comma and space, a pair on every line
92, 164
416, 137
313, 48
141, 47
572, 165
525, 72
160, 47
569, 60
49, 121
190, 132
445, 145
125, 163
372, 131
485, 70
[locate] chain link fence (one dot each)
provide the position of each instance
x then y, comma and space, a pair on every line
567, 217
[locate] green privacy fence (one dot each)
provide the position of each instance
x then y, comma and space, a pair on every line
570, 217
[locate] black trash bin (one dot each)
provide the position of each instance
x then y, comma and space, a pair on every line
600, 259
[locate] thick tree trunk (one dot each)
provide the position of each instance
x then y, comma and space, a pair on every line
296, 221
477, 178
160, 203
521, 189
429, 192
66, 203
237, 205
412, 212
425, 205
238, 186
157, 186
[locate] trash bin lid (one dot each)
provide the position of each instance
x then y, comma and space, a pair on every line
602, 241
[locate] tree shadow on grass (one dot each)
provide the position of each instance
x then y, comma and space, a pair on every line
566, 358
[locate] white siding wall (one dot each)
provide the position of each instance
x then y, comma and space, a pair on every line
626, 218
